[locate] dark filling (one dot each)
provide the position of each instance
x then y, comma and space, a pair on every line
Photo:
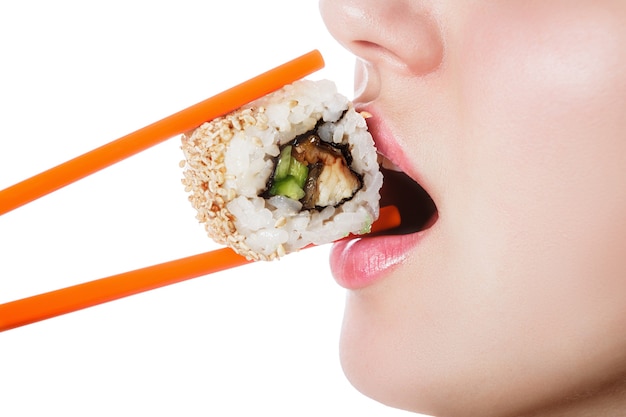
315, 172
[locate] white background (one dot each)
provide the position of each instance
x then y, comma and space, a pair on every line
260, 339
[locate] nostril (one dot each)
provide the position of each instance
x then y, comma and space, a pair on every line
372, 51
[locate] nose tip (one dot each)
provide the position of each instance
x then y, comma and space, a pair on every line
400, 33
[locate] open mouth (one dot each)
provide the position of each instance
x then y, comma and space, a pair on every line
417, 209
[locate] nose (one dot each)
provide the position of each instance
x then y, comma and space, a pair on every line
401, 33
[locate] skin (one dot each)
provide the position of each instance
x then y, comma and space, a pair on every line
513, 116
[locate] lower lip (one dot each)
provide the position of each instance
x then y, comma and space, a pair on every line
358, 263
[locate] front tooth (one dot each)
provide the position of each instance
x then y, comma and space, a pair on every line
387, 164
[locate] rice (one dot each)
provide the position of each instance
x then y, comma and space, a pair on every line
230, 161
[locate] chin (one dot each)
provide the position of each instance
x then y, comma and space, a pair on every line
374, 353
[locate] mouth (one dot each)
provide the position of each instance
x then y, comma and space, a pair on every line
360, 262
401, 183
417, 209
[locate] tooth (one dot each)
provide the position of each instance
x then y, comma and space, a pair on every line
387, 164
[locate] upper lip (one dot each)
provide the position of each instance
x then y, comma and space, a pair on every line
387, 145
407, 191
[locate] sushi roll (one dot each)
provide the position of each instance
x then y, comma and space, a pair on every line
293, 168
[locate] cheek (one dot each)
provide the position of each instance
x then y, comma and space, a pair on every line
541, 73
536, 76
543, 192
536, 208
543, 144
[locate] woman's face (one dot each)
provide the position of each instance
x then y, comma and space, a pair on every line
512, 116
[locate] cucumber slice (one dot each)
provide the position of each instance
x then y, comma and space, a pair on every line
290, 176
298, 171
282, 166
287, 187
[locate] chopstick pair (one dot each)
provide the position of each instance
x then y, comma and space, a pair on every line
47, 305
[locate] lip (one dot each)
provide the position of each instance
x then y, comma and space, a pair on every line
362, 261
386, 143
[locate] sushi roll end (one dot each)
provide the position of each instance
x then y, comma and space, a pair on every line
294, 168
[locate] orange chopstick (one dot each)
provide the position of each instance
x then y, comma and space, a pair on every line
47, 305
142, 139
66, 300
